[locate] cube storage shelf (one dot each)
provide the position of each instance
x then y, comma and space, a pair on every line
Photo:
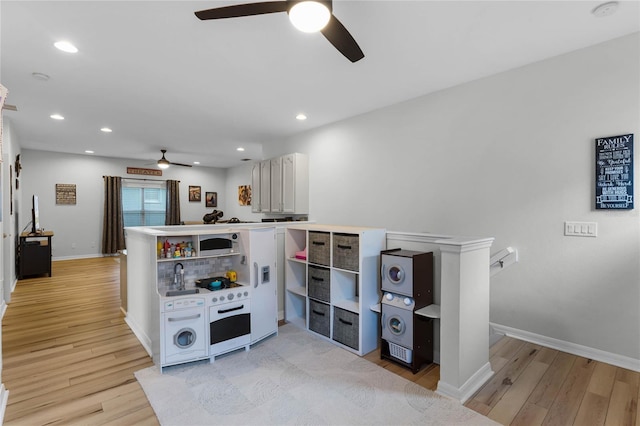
330, 292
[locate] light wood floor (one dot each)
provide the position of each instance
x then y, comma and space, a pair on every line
69, 358
534, 385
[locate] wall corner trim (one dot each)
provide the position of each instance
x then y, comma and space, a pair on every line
470, 387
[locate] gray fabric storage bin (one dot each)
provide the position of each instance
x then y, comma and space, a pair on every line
346, 328
319, 283
319, 248
319, 319
345, 251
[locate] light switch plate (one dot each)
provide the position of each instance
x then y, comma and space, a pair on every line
581, 229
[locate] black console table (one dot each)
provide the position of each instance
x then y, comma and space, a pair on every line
34, 254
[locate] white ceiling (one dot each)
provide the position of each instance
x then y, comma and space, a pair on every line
161, 78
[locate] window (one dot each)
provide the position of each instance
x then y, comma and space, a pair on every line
144, 203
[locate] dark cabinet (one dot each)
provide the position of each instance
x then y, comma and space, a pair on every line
34, 254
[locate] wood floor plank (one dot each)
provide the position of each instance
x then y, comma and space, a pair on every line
623, 408
502, 380
547, 390
565, 407
506, 409
530, 415
593, 410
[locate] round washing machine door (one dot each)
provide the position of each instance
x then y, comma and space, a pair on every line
184, 338
395, 274
396, 325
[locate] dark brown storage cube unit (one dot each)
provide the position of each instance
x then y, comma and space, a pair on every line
345, 327
319, 248
319, 283
345, 252
319, 318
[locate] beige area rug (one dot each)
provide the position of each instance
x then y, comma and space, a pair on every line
295, 378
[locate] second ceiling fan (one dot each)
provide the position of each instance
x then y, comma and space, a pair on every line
319, 15
163, 163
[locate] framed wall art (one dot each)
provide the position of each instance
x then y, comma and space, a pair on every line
195, 193
211, 199
244, 195
66, 193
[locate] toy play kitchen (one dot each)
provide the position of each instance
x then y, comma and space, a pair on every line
207, 291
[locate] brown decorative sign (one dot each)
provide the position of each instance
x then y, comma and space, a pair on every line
141, 171
65, 193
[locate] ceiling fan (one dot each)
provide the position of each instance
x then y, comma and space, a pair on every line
319, 15
163, 163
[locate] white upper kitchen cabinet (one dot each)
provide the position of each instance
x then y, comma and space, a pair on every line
255, 188
261, 187
276, 185
281, 185
295, 184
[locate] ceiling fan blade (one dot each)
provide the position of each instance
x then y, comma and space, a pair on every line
342, 40
180, 164
238, 10
9, 107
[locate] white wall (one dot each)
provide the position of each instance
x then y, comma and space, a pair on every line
509, 156
81, 224
236, 177
10, 226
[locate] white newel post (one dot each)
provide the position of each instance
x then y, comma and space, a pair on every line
464, 322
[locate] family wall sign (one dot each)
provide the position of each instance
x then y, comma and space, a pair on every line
614, 172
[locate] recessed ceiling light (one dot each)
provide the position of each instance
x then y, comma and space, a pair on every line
89, 151
301, 117
40, 76
106, 130
605, 9
65, 46
240, 149
196, 162
56, 117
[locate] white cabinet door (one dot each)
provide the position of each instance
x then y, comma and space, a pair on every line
255, 188
265, 186
288, 197
276, 185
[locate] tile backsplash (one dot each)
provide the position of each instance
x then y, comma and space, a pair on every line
193, 269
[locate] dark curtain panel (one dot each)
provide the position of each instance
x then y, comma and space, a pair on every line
173, 203
113, 224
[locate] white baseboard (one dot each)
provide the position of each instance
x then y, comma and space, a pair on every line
469, 388
83, 256
4, 398
572, 348
145, 341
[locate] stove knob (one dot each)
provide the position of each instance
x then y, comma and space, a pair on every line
214, 300
239, 294
230, 296
221, 298
246, 293
389, 296
407, 301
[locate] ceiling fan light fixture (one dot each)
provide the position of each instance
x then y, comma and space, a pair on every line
309, 16
163, 164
